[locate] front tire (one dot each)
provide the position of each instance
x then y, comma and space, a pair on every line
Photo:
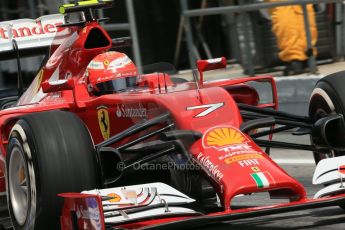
48, 153
328, 98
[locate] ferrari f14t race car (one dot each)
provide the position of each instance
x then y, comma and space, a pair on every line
94, 144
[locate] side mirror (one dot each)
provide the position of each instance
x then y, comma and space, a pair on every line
210, 64
57, 86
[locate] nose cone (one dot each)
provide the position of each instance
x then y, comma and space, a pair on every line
237, 165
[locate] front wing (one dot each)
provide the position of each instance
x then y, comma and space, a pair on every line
159, 206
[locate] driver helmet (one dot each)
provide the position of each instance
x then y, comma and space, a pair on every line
111, 72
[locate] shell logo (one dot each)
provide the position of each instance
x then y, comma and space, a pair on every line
223, 136
116, 198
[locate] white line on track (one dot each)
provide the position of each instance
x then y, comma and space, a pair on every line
294, 161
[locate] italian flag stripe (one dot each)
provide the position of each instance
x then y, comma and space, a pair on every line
342, 169
261, 179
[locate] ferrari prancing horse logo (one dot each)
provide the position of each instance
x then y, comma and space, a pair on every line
103, 121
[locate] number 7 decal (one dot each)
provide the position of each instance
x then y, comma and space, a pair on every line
209, 108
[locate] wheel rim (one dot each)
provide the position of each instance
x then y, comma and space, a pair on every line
18, 185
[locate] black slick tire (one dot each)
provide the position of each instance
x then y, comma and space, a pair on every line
328, 97
57, 155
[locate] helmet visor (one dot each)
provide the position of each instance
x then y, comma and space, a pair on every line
117, 85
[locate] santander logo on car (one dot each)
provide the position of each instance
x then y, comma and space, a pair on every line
29, 33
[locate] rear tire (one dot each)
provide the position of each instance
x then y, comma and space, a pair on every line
327, 98
48, 153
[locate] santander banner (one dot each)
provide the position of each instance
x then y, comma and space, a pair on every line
29, 33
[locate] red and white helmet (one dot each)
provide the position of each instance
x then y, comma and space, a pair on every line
111, 72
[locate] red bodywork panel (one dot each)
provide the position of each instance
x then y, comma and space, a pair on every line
231, 160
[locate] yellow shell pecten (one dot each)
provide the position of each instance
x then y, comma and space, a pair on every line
224, 136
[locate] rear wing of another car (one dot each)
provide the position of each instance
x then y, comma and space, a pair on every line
32, 36
28, 37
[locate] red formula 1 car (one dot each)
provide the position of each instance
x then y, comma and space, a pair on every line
92, 144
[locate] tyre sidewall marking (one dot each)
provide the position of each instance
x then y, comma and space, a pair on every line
324, 95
